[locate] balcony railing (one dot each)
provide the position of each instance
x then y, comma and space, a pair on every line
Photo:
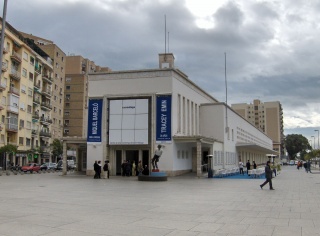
45, 120
45, 134
36, 100
14, 74
15, 56
35, 116
4, 66
3, 86
46, 105
46, 92
37, 69
12, 127
34, 132
47, 78
14, 90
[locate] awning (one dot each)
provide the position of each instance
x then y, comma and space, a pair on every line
256, 147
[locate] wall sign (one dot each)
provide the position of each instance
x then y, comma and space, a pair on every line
163, 131
94, 120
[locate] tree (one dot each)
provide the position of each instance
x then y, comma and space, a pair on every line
9, 148
57, 148
296, 143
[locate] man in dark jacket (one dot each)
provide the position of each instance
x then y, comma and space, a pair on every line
248, 165
268, 173
95, 167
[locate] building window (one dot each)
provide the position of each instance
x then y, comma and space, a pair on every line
68, 87
31, 60
66, 113
21, 124
28, 142
68, 97
25, 56
54, 109
24, 72
30, 92
28, 125
59, 111
30, 76
20, 140
67, 104
68, 79
29, 109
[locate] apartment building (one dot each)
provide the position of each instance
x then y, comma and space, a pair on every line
58, 58
266, 116
76, 94
25, 92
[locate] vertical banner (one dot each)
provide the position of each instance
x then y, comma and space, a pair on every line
94, 120
163, 121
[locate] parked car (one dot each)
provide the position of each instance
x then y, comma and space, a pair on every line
48, 166
31, 167
291, 163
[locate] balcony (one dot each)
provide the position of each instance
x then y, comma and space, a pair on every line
12, 128
14, 91
35, 116
37, 84
4, 67
46, 92
36, 101
46, 106
37, 69
3, 86
5, 50
16, 57
14, 74
34, 132
47, 78
45, 134
45, 120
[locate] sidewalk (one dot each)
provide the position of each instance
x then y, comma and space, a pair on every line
54, 205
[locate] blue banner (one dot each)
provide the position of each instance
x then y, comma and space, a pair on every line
163, 131
94, 120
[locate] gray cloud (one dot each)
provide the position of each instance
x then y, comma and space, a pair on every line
271, 46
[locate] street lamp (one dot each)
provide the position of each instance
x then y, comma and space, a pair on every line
314, 142
316, 130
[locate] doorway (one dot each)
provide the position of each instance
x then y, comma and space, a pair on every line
145, 158
132, 156
118, 162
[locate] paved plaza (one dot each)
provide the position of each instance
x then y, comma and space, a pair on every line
54, 205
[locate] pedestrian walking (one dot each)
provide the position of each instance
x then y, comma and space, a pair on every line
268, 173
254, 165
95, 168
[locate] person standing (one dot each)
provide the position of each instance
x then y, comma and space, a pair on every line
241, 167
133, 168
95, 168
248, 166
254, 165
140, 168
99, 170
106, 169
156, 157
268, 173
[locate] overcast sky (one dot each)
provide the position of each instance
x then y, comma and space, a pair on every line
272, 47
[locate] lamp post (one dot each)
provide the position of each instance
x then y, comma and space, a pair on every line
314, 142
316, 130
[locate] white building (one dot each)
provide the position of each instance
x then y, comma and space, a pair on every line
131, 112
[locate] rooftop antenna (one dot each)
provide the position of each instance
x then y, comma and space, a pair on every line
165, 37
168, 41
225, 79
